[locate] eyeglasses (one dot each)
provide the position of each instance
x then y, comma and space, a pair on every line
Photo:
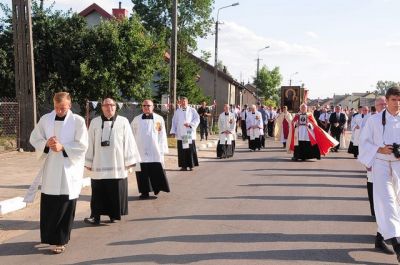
147, 105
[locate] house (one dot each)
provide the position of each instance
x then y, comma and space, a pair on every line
354, 100
366, 99
228, 90
94, 14
249, 95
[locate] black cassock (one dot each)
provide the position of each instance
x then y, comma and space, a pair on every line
255, 144
109, 197
225, 150
305, 151
187, 157
152, 177
57, 213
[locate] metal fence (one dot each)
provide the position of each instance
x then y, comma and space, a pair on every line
9, 124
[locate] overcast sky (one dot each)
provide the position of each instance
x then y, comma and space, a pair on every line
335, 46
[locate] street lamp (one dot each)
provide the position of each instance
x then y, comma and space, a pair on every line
216, 52
290, 79
258, 64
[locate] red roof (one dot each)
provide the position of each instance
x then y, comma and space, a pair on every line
95, 8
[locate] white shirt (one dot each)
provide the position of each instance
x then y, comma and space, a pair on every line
324, 117
61, 175
151, 138
111, 162
373, 136
181, 117
226, 123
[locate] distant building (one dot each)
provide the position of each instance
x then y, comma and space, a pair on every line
249, 95
228, 89
94, 14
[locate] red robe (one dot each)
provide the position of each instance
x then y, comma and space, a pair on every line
317, 135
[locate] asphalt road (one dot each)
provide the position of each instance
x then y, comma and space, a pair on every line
257, 208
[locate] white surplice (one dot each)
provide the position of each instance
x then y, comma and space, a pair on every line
111, 162
385, 169
226, 123
254, 119
356, 122
61, 175
186, 134
151, 138
278, 128
303, 127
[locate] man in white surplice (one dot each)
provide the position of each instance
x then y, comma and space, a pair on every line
377, 141
356, 124
254, 125
380, 105
61, 139
112, 151
226, 129
151, 137
184, 125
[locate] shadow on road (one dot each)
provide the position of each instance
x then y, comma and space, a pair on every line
312, 255
266, 217
19, 187
23, 248
319, 170
18, 225
254, 238
290, 198
311, 176
305, 185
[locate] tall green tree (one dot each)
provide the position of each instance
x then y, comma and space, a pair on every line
187, 77
194, 21
268, 83
383, 86
116, 58
194, 18
7, 82
57, 47
121, 59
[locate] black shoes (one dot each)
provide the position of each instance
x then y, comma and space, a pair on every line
92, 220
144, 196
381, 245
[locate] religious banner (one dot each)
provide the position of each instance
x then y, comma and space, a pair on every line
292, 97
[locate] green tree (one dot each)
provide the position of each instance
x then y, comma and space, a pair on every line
187, 77
57, 47
268, 82
121, 59
383, 86
116, 58
194, 19
7, 82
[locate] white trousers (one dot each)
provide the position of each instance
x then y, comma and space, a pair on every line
386, 201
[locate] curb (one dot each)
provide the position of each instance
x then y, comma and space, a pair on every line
17, 203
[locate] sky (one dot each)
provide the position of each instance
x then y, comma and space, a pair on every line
330, 46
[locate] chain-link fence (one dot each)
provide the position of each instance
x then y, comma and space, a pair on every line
9, 124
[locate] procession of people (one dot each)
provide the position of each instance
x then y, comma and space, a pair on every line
111, 147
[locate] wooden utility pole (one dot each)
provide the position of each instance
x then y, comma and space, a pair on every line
173, 63
24, 70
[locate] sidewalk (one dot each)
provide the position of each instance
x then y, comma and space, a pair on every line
18, 170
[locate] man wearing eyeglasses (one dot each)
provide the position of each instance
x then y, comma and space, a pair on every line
112, 151
151, 137
184, 125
